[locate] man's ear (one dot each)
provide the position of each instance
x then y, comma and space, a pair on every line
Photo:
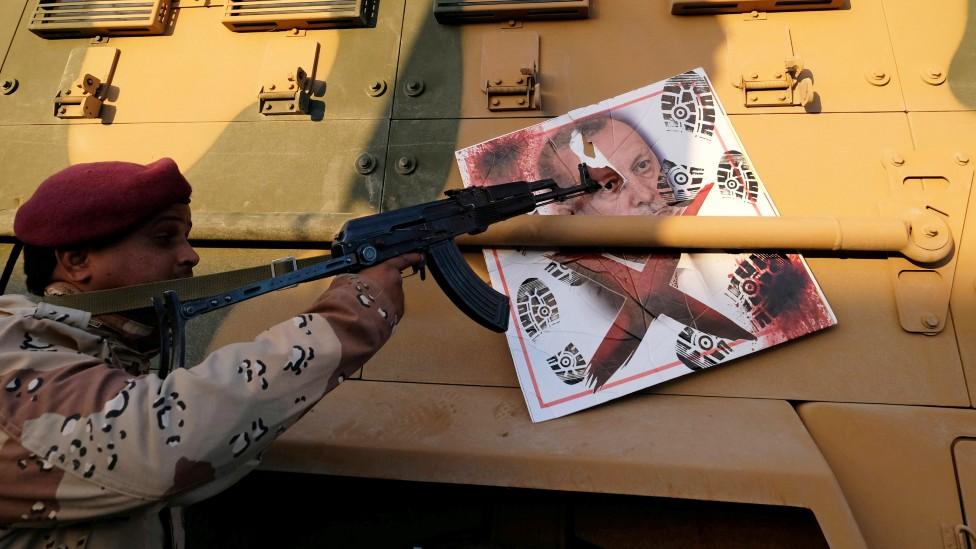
74, 265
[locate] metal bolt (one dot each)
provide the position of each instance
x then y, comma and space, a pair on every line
962, 159
930, 231
754, 76
9, 86
406, 165
376, 88
754, 14
295, 32
879, 74
63, 110
495, 102
897, 160
413, 88
930, 320
935, 73
934, 76
521, 101
779, 75
498, 81
267, 106
365, 164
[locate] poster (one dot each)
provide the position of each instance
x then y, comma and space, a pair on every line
590, 327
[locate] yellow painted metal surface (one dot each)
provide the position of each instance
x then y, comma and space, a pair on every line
700, 448
439, 402
895, 466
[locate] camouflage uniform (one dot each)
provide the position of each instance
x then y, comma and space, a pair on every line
92, 447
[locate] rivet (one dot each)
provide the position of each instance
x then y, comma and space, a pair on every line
779, 75
520, 81
753, 99
897, 160
295, 32
271, 87
67, 91
877, 76
782, 97
934, 76
754, 76
495, 102
267, 106
930, 231
63, 110
498, 81
930, 320
521, 101
291, 106
962, 159
365, 164
754, 14
413, 88
291, 86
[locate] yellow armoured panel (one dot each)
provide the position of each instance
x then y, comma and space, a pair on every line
631, 43
10, 13
935, 47
964, 452
895, 466
155, 83
287, 167
740, 450
954, 133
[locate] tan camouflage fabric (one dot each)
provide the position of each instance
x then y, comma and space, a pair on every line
91, 450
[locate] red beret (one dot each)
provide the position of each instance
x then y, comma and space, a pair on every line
89, 202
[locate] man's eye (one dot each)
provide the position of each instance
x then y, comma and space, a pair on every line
642, 166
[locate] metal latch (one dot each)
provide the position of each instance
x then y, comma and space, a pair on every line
287, 77
289, 95
510, 71
766, 66
85, 82
936, 189
781, 87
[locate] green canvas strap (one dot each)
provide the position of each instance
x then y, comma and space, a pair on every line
140, 296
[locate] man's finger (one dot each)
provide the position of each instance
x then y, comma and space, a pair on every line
404, 261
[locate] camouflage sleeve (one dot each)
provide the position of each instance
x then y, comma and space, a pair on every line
111, 442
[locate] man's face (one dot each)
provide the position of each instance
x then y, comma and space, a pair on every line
158, 250
630, 181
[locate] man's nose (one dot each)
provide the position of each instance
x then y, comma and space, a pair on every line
189, 256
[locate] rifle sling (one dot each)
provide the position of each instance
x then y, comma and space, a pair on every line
140, 296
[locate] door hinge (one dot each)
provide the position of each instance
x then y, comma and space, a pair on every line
935, 188
85, 82
510, 71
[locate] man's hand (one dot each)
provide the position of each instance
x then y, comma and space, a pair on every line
382, 282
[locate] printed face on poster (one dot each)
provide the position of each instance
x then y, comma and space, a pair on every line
590, 327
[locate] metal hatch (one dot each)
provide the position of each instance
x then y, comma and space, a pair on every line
474, 11
74, 18
267, 15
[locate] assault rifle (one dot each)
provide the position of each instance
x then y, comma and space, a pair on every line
428, 228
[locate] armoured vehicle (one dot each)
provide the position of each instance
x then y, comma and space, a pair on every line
290, 117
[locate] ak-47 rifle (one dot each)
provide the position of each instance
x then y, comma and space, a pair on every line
428, 228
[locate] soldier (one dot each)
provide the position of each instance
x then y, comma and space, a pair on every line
95, 449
